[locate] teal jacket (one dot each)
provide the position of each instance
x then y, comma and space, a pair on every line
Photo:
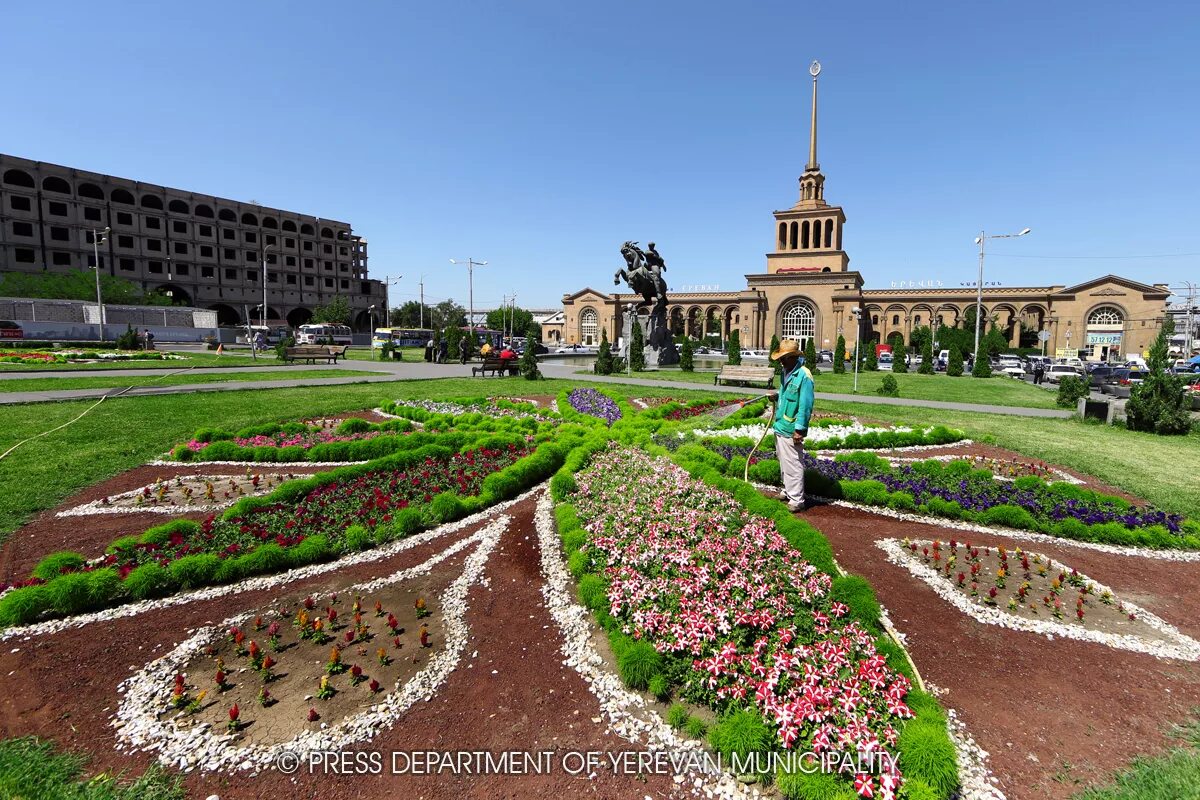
795, 402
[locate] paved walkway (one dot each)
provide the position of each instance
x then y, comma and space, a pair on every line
420, 370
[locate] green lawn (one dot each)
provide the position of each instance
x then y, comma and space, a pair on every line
101, 382
1161, 469
999, 391
1174, 775
33, 770
193, 359
122, 433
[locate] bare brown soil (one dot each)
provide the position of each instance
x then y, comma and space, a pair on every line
1042, 592
301, 663
509, 692
1054, 714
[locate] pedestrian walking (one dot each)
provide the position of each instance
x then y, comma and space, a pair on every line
793, 408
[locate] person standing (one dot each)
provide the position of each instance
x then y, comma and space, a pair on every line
1039, 372
793, 407
443, 350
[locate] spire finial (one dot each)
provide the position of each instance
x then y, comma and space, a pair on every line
814, 70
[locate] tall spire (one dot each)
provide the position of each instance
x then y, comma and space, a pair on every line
814, 70
812, 182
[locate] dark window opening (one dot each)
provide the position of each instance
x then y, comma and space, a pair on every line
291, 280
181, 269
60, 234
22, 229
252, 275
289, 242
153, 223
181, 247
91, 214
124, 218
345, 283
308, 279
154, 244
23, 255
206, 251
329, 283
206, 230
57, 209
61, 259
231, 274
126, 264
20, 203
308, 247
207, 272
290, 261
251, 237
230, 253
155, 266
179, 227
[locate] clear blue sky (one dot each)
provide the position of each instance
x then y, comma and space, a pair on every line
540, 135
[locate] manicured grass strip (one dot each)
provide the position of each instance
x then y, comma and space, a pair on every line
31, 770
192, 359
996, 391
123, 433
101, 382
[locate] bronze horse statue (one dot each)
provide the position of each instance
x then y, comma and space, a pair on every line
644, 275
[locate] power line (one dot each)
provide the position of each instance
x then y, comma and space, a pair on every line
1095, 258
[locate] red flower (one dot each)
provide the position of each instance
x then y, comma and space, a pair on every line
373, 686
313, 716
233, 713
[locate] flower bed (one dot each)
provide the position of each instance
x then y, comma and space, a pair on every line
713, 602
841, 437
952, 489
491, 406
302, 522
1032, 592
70, 356
595, 404
674, 411
184, 493
352, 439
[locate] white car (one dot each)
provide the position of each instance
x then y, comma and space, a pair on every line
1013, 370
763, 354
1057, 371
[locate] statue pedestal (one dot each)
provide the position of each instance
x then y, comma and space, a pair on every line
660, 350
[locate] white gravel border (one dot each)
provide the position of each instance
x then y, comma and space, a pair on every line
626, 713
148, 692
975, 777
96, 507
1185, 647
1013, 533
27, 632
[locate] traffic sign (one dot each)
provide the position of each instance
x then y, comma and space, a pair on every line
1043, 336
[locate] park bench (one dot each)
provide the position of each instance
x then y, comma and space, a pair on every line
496, 366
312, 352
744, 375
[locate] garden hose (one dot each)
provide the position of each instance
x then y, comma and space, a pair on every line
86, 412
770, 404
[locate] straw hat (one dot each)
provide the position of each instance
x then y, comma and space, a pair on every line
788, 347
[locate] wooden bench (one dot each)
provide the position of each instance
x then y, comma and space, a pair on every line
495, 366
743, 375
312, 352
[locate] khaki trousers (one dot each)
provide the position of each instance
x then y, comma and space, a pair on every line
791, 466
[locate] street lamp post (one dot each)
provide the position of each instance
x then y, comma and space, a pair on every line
981, 240
264, 280
857, 338
471, 265
387, 300
99, 238
371, 318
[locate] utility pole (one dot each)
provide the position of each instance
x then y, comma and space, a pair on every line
421, 283
98, 239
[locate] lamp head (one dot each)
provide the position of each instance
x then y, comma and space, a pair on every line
1023, 232
107, 231
978, 239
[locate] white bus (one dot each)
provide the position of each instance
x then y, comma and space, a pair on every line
321, 334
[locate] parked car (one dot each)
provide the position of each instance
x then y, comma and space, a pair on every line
1109, 382
10, 330
756, 354
1192, 387
1013, 369
1126, 382
1057, 371
825, 356
1099, 376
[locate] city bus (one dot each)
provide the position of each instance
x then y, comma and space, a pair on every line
402, 337
323, 333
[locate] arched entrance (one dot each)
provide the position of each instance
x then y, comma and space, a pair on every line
178, 296
226, 315
1105, 332
298, 316
798, 320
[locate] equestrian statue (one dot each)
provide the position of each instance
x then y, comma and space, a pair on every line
643, 272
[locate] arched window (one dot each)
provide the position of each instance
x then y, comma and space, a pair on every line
91, 191
874, 319
588, 327
269, 222
249, 219
203, 210
1106, 316
152, 202
916, 320
289, 226
307, 230
121, 196
804, 229
225, 215
782, 241
177, 207
828, 233
15, 177
326, 233
816, 239
53, 183
798, 321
